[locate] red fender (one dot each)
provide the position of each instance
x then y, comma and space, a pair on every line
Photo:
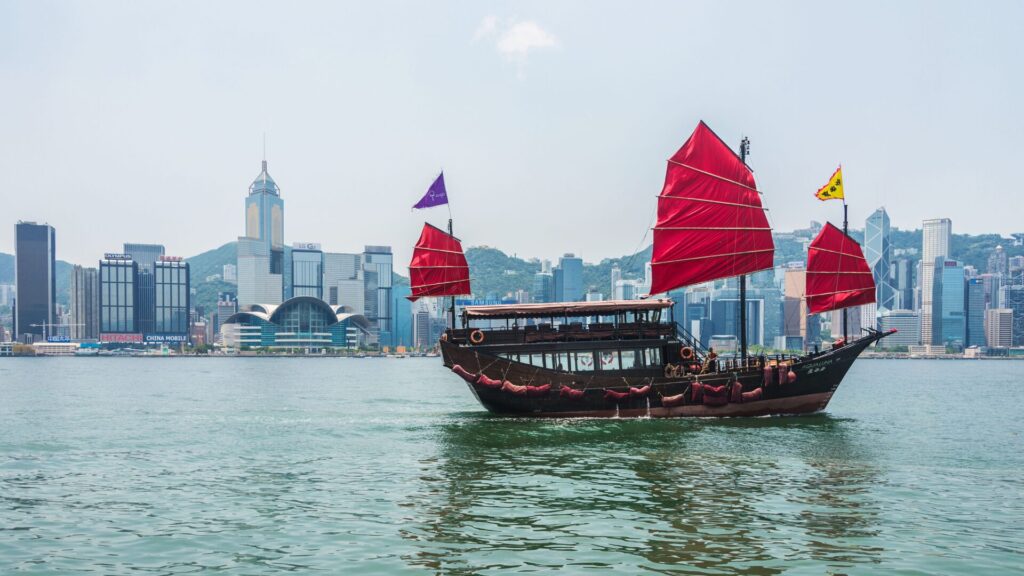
488, 383
538, 390
791, 376
736, 393
571, 393
639, 392
670, 401
715, 395
511, 388
464, 374
615, 396
696, 392
753, 395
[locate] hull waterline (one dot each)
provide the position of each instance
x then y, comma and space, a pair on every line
816, 379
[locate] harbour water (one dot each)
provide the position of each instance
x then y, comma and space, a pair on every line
376, 466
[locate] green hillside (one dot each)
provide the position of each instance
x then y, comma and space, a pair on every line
212, 261
495, 273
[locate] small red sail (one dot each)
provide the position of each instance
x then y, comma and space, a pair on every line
711, 223
438, 266
838, 276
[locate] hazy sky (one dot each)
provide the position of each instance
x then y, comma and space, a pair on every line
143, 121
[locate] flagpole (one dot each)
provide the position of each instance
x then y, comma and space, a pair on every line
845, 231
451, 232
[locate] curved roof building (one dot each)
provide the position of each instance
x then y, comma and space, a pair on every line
300, 322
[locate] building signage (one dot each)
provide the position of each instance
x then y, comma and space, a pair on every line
305, 245
161, 338
112, 256
121, 338
170, 258
58, 339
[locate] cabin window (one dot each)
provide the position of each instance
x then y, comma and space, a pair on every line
560, 361
585, 361
652, 356
628, 359
608, 360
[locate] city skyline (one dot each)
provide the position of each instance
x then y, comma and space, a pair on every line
115, 108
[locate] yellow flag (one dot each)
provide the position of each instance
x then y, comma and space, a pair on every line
834, 188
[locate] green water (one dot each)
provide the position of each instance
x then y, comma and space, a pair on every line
372, 466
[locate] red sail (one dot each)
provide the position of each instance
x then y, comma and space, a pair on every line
838, 276
438, 266
711, 223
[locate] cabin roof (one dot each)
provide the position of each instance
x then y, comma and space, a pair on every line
564, 309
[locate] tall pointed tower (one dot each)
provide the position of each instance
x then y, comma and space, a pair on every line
261, 251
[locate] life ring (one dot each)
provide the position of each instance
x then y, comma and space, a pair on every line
686, 352
670, 371
476, 336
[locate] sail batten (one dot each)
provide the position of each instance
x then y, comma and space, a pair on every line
838, 276
438, 266
711, 223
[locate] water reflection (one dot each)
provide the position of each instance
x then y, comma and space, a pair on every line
747, 496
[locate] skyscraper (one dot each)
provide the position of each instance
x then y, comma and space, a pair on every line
307, 275
571, 279
1012, 297
35, 275
543, 289
948, 319
261, 258
878, 252
145, 257
119, 311
85, 303
343, 281
935, 244
999, 327
173, 300
998, 262
377, 273
903, 282
974, 311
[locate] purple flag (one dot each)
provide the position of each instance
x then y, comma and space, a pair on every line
435, 196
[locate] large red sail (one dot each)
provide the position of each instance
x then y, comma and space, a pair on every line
711, 223
438, 266
838, 276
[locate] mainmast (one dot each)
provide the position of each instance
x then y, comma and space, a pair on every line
744, 150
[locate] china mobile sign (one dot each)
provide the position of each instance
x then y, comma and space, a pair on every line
165, 338
121, 338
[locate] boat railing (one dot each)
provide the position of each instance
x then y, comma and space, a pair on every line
688, 339
539, 333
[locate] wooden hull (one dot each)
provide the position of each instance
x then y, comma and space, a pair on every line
817, 377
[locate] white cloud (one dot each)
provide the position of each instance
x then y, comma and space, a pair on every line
521, 38
515, 40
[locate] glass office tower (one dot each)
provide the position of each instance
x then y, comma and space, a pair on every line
35, 275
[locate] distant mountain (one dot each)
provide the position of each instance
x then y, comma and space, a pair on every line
212, 261
496, 273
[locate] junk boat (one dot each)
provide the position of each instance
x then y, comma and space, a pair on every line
630, 357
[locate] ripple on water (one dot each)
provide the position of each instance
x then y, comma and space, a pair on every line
248, 467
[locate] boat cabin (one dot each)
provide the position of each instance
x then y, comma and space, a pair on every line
635, 337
